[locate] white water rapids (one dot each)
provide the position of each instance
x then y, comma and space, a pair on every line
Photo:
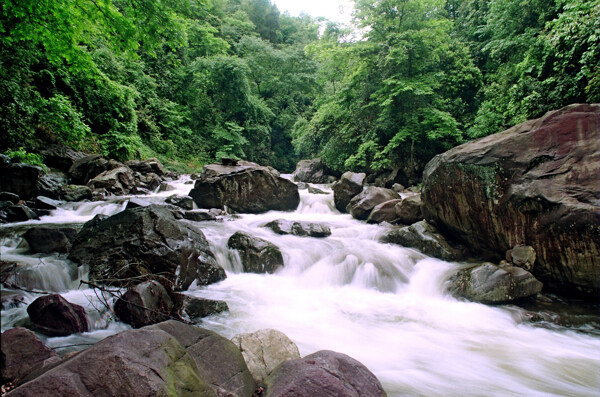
382, 304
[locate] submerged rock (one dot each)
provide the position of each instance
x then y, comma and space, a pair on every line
257, 255
349, 185
53, 315
298, 228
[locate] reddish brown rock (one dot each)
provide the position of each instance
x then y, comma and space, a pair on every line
53, 315
22, 353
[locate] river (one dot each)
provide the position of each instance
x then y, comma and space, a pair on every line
382, 304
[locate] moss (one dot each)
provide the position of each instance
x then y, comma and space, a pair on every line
181, 376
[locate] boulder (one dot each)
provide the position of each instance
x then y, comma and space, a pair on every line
76, 193
199, 215
50, 185
145, 304
398, 188
17, 213
302, 185
118, 181
21, 179
143, 362
522, 256
165, 187
363, 203
409, 210
311, 171
257, 255
10, 197
50, 239
145, 241
52, 315
324, 373
244, 188
534, 184
150, 166
384, 212
43, 203
315, 190
426, 238
61, 157
220, 363
488, 283
88, 167
264, 350
185, 202
299, 228
196, 308
349, 185
22, 353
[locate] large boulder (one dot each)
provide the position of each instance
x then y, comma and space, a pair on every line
246, 187
50, 239
88, 167
21, 179
220, 363
22, 353
534, 184
51, 185
311, 171
145, 241
425, 238
409, 210
256, 254
384, 212
145, 304
53, 315
76, 193
349, 185
324, 373
150, 166
143, 362
118, 181
488, 283
61, 157
264, 350
195, 308
363, 203
299, 228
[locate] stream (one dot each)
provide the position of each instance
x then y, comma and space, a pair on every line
381, 304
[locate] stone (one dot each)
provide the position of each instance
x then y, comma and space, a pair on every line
302, 185
264, 350
523, 256
44, 203
409, 211
534, 184
50, 239
426, 238
21, 179
61, 157
257, 255
398, 188
22, 353
145, 304
220, 363
136, 202
11, 300
324, 373
384, 212
310, 171
315, 190
19, 213
11, 197
150, 166
488, 283
165, 187
53, 315
142, 242
76, 193
118, 181
199, 216
50, 185
185, 202
299, 228
88, 167
363, 203
141, 362
349, 185
246, 187
196, 308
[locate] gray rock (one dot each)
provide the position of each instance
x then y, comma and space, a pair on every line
349, 185
53, 315
257, 255
363, 203
76, 193
88, 167
311, 171
50, 239
384, 212
185, 202
150, 166
299, 228
522, 256
196, 308
409, 210
315, 190
199, 216
19, 213
21, 179
61, 157
50, 185
11, 197
488, 283
398, 188
264, 350
118, 181
145, 304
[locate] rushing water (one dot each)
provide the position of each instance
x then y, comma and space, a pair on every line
379, 303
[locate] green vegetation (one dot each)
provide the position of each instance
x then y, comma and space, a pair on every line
190, 81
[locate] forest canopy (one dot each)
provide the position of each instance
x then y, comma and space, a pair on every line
191, 81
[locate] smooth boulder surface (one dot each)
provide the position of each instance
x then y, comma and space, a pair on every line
53, 315
534, 184
264, 350
384, 212
143, 362
220, 363
409, 211
144, 241
88, 167
247, 188
298, 228
488, 283
22, 353
145, 304
256, 254
363, 203
118, 181
325, 374
50, 239
311, 171
349, 185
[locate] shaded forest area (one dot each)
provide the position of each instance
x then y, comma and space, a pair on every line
190, 81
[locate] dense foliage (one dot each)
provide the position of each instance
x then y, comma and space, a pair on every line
190, 81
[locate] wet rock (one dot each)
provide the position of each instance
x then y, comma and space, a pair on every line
165, 187
522, 256
199, 216
409, 210
118, 181
185, 202
363, 203
315, 190
140, 362
150, 166
88, 167
52, 315
534, 184
257, 255
349, 185
43, 203
142, 242
311, 171
61, 157
50, 185
22, 353
488, 283
10, 197
76, 193
324, 373
264, 350
145, 304
299, 228
302, 185
11, 300
50, 239
18, 213
21, 179
246, 187
398, 188
384, 212
426, 238
196, 308
220, 363
136, 202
